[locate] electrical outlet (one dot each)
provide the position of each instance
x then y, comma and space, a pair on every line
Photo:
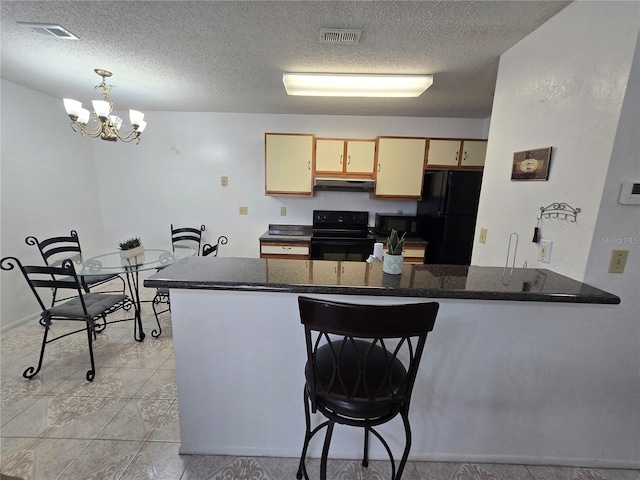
283, 211
544, 251
224, 180
483, 235
243, 211
618, 261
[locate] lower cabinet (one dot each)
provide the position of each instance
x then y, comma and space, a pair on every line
289, 272
339, 273
413, 252
292, 250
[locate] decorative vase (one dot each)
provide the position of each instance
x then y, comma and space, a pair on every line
392, 264
132, 252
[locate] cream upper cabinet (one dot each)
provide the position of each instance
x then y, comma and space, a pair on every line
337, 157
399, 167
289, 164
329, 155
361, 156
473, 153
456, 153
443, 153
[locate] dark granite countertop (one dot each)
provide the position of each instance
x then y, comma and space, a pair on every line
287, 233
359, 278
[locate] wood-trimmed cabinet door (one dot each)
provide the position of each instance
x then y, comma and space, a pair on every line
329, 156
399, 167
443, 153
339, 157
473, 153
361, 157
289, 164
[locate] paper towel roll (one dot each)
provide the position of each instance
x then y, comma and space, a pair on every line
377, 250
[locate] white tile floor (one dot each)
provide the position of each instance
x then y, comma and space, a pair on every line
124, 425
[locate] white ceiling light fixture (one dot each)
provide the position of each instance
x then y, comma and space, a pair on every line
108, 126
355, 85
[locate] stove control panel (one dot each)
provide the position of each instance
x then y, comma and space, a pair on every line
341, 218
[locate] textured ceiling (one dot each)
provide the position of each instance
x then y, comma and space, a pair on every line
229, 56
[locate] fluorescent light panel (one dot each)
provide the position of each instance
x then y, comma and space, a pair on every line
355, 85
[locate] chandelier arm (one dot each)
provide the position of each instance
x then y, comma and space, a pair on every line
130, 137
84, 132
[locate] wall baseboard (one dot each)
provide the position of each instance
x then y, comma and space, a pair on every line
19, 322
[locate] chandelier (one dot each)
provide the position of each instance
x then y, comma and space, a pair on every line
108, 125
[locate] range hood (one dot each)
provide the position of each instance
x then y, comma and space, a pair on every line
344, 184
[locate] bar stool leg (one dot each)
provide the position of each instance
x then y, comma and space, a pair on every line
365, 455
325, 450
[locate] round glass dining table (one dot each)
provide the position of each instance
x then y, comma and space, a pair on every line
94, 263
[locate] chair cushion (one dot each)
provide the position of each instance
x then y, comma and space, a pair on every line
96, 303
93, 279
364, 389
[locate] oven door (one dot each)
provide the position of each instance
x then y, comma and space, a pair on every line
355, 250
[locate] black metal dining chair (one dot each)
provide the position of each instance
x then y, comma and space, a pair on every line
56, 249
86, 307
362, 362
182, 237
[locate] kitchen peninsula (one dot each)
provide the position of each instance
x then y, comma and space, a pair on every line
498, 382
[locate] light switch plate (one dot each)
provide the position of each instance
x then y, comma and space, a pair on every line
483, 235
243, 210
544, 251
618, 261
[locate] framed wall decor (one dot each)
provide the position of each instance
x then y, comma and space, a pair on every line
531, 164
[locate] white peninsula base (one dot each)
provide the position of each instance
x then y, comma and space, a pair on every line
500, 381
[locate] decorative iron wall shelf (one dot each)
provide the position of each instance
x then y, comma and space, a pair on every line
560, 210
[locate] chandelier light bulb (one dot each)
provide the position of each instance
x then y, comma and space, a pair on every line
83, 116
101, 108
72, 106
116, 121
135, 117
142, 126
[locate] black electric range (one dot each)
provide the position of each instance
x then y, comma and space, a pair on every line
341, 235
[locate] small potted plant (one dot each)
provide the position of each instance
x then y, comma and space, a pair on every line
393, 257
131, 248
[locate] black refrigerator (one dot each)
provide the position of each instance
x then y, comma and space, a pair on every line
447, 215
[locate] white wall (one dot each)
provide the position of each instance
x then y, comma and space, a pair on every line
57, 181
173, 176
49, 187
573, 84
562, 86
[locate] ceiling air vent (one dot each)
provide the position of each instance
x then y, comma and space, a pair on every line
344, 36
49, 29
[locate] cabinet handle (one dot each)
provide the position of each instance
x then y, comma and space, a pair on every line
378, 168
464, 159
340, 159
457, 155
309, 165
286, 248
349, 160
342, 268
335, 270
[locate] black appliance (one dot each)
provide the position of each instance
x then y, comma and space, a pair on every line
341, 235
447, 215
402, 223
